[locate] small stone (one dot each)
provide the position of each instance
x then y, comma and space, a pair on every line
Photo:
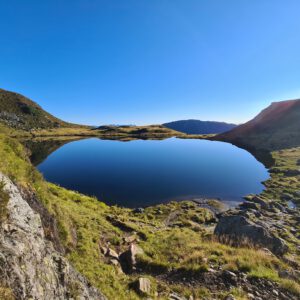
103, 250
229, 297
112, 253
256, 293
144, 286
138, 210
267, 251
250, 296
114, 262
130, 239
175, 296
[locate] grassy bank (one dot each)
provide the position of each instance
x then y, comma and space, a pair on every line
151, 131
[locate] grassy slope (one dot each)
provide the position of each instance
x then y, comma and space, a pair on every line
178, 242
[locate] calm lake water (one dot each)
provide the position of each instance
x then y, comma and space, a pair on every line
141, 173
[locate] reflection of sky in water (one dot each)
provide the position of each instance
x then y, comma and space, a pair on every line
141, 173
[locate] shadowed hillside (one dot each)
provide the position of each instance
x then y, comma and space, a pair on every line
199, 127
19, 112
276, 127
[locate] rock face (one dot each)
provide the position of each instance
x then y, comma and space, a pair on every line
240, 228
29, 264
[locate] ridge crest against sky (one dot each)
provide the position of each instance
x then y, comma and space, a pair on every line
145, 62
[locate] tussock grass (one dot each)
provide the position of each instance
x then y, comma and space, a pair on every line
6, 294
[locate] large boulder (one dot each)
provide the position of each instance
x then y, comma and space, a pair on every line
239, 229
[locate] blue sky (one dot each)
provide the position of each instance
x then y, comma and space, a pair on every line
142, 61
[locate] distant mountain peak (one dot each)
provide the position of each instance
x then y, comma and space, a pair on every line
193, 126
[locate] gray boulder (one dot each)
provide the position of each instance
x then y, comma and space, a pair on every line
239, 229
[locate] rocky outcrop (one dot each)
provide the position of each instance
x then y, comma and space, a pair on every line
239, 229
29, 264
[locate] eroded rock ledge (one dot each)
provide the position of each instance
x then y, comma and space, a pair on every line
29, 264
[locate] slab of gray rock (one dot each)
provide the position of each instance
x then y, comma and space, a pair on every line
175, 296
239, 228
29, 264
262, 202
249, 205
144, 286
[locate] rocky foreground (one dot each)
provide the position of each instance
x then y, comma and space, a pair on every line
30, 267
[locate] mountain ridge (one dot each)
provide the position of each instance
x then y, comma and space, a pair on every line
193, 126
274, 128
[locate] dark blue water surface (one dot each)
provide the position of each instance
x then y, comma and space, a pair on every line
141, 173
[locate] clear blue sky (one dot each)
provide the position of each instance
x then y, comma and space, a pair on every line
151, 61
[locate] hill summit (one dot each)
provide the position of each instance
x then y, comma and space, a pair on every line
20, 112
